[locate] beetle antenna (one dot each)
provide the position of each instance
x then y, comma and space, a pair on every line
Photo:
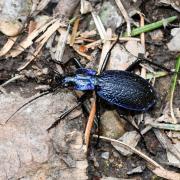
30, 101
138, 131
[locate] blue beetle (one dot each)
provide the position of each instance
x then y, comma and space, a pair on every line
121, 88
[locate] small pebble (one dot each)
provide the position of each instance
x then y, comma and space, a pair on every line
105, 155
138, 169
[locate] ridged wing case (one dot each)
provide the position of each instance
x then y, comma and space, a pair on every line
126, 90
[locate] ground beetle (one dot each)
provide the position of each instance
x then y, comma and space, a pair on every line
121, 88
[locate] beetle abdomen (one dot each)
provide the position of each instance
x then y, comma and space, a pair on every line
126, 90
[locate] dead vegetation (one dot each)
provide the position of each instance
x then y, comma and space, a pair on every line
38, 41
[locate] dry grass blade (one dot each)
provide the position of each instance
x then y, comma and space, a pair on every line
125, 14
29, 40
173, 87
142, 37
99, 25
7, 47
42, 40
105, 49
74, 31
62, 44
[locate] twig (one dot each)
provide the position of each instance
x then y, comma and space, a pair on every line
143, 70
142, 37
153, 165
134, 150
98, 42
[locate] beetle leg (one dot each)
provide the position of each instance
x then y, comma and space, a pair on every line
98, 117
141, 59
106, 59
86, 71
63, 116
80, 101
76, 62
118, 31
138, 131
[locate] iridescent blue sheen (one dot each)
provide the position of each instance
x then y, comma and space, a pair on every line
120, 88
81, 82
86, 71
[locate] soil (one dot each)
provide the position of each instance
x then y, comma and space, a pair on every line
116, 165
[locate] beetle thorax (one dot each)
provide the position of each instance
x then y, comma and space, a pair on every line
80, 82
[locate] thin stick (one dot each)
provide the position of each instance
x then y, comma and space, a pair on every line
153, 165
62, 44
